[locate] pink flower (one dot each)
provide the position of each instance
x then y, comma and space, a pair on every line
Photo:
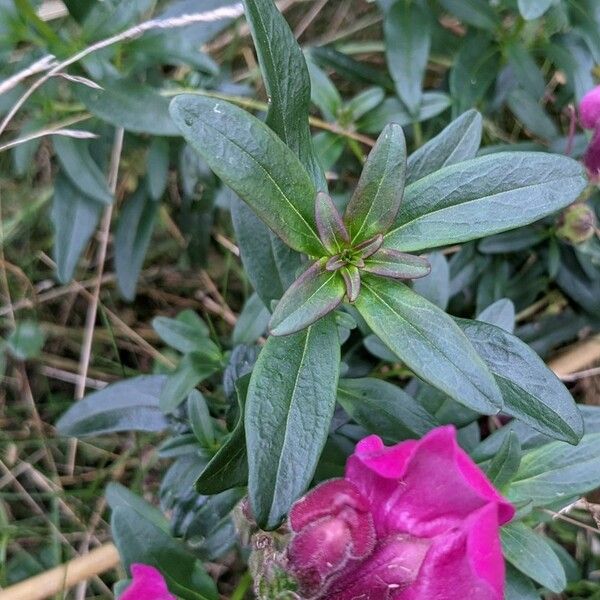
413, 521
147, 584
589, 114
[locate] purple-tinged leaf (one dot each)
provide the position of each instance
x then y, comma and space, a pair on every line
313, 295
376, 200
369, 247
398, 265
351, 277
335, 263
331, 228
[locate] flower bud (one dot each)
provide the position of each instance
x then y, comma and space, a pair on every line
332, 525
577, 223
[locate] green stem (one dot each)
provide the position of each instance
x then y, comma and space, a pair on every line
242, 587
418, 131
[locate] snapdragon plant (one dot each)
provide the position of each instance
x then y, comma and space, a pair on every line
453, 197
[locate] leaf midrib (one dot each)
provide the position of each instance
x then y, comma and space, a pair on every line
474, 200
269, 176
492, 404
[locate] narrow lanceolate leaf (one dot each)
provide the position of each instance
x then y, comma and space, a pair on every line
531, 392
81, 169
286, 80
429, 342
556, 472
384, 409
484, 196
398, 265
313, 295
519, 586
531, 554
255, 163
119, 104
228, 468
408, 40
132, 238
130, 405
289, 407
376, 200
458, 142
351, 276
332, 231
505, 464
74, 217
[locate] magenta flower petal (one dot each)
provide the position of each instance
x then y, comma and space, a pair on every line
464, 563
591, 158
391, 569
589, 109
423, 488
147, 584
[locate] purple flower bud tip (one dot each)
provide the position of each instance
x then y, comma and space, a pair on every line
147, 584
589, 109
412, 521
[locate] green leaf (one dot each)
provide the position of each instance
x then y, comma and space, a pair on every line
25, 341
323, 93
187, 333
384, 409
200, 419
474, 12
532, 115
287, 82
80, 168
512, 241
330, 225
506, 463
130, 405
391, 110
329, 147
118, 495
365, 102
376, 200
533, 9
290, 404
458, 142
157, 167
555, 472
397, 265
228, 468
132, 238
252, 321
192, 370
532, 393
255, 163
314, 294
526, 70
255, 241
408, 40
518, 586
483, 196
141, 541
121, 102
475, 69
75, 218
435, 287
501, 314
429, 342
532, 555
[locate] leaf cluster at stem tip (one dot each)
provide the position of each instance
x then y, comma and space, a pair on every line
353, 244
